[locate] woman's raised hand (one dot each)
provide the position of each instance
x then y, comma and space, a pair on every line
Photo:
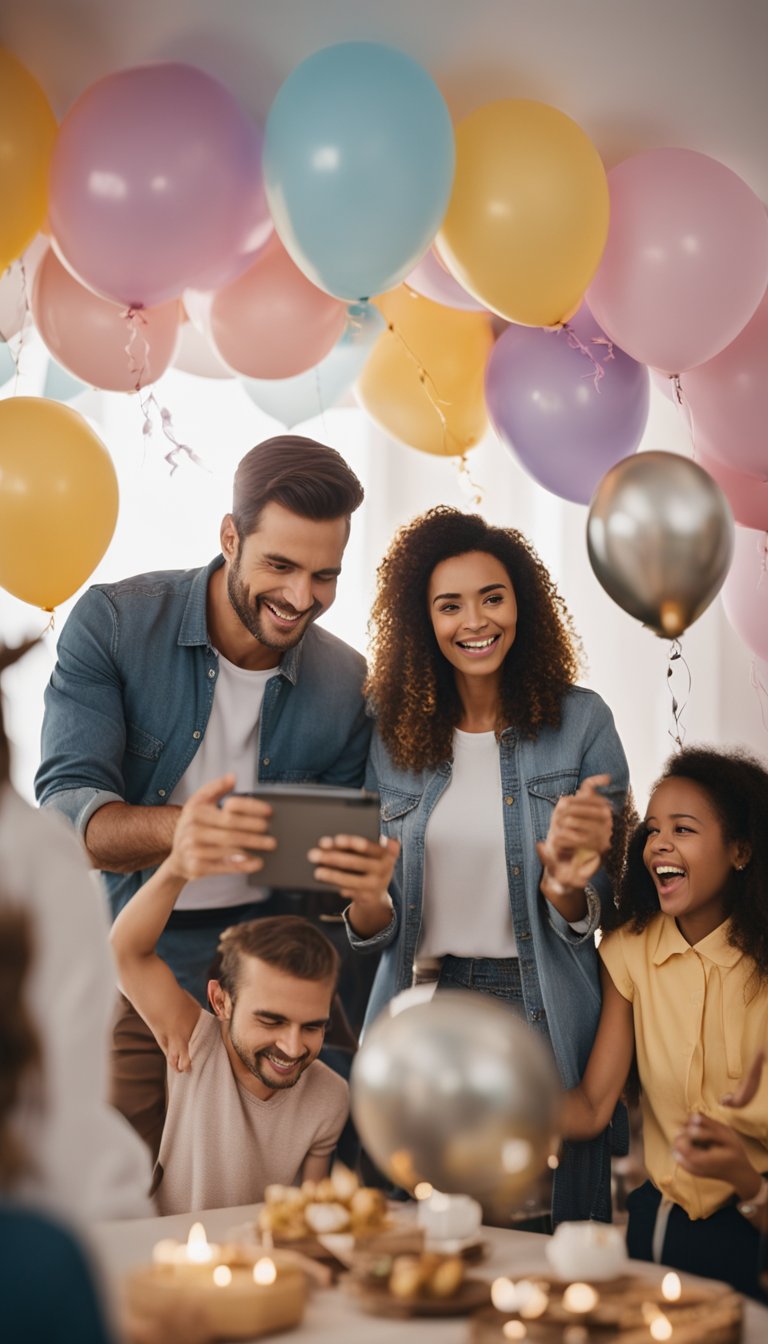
578, 837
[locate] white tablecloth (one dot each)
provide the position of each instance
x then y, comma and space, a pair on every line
334, 1318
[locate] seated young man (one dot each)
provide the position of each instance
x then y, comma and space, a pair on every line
249, 1103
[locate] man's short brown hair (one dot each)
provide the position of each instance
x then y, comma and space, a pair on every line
301, 474
288, 943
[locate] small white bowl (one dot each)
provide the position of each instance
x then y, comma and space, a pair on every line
587, 1252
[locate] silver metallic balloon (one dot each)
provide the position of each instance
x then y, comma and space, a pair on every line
460, 1093
660, 539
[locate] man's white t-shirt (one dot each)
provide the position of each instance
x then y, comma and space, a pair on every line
230, 746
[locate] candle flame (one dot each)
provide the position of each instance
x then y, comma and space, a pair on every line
264, 1271
580, 1297
198, 1250
423, 1190
504, 1295
671, 1287
514, 1330
661, 1328
222, 1276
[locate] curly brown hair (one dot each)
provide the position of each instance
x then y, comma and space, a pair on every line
736, 785
411, 686
18, 1043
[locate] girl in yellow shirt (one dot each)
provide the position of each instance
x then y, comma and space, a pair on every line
685, 991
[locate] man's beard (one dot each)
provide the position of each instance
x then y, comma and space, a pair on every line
252, 1063
249, 614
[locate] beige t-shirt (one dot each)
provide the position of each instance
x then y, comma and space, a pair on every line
221, 1145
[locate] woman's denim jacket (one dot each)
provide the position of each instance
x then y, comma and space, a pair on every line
559, 968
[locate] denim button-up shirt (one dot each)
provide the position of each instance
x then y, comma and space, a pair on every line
559, 968
130, 696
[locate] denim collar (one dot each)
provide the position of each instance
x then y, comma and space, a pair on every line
194, 624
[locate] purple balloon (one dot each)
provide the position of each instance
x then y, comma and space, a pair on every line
156, 185
568, 403
430, 279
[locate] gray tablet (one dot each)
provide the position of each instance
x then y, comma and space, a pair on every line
301, 814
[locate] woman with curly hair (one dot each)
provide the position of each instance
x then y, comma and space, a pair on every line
487, 758
685, 986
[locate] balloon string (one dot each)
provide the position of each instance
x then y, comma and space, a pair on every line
51, 622
137, 350
473, 488
436, 401
676, 655
678, 397
761, 691
575, 342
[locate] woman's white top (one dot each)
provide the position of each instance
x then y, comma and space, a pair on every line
465, 907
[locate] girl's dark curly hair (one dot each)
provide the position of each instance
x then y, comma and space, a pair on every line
736, 785
411, 686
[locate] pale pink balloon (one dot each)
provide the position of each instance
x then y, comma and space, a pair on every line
273, 322
96, 340
745, 591
686, 262
728, 397
747, 495
431, 279
16, 286
195, 354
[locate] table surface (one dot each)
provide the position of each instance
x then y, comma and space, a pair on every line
332, 1317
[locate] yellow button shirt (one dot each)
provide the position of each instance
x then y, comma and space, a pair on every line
700, 1016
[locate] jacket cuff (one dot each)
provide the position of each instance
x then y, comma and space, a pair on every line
587, 927
79, 805
377, 942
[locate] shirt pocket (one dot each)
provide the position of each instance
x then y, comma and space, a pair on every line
396, 807
142, 744
543, 793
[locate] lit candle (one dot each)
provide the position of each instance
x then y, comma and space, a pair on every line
526, 1298
449, 1217
659, 1325
236, 1300
514, 1330
588, 1252
580, 1298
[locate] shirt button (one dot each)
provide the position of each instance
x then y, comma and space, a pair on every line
516, 871
161, 793
211, 671
197, 735
509, 800
266, 760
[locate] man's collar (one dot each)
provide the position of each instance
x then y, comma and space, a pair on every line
715, 947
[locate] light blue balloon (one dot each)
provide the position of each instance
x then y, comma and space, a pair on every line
294, 400
7, 363
358, 166
60, 385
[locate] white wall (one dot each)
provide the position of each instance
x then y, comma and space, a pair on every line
172, 521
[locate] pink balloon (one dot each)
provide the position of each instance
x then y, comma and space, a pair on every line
433, 281
728, 397
747, 496
96, 340
686, 262
195, 354
745, 591
273, 322
156, 184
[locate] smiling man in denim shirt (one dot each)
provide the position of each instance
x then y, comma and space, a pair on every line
167, 680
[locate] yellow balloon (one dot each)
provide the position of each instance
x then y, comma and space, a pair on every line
528, 217
27, 135
423, 382
58, 500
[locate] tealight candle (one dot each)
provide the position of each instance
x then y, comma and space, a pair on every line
586, 1251
236, 1298
449, 1217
